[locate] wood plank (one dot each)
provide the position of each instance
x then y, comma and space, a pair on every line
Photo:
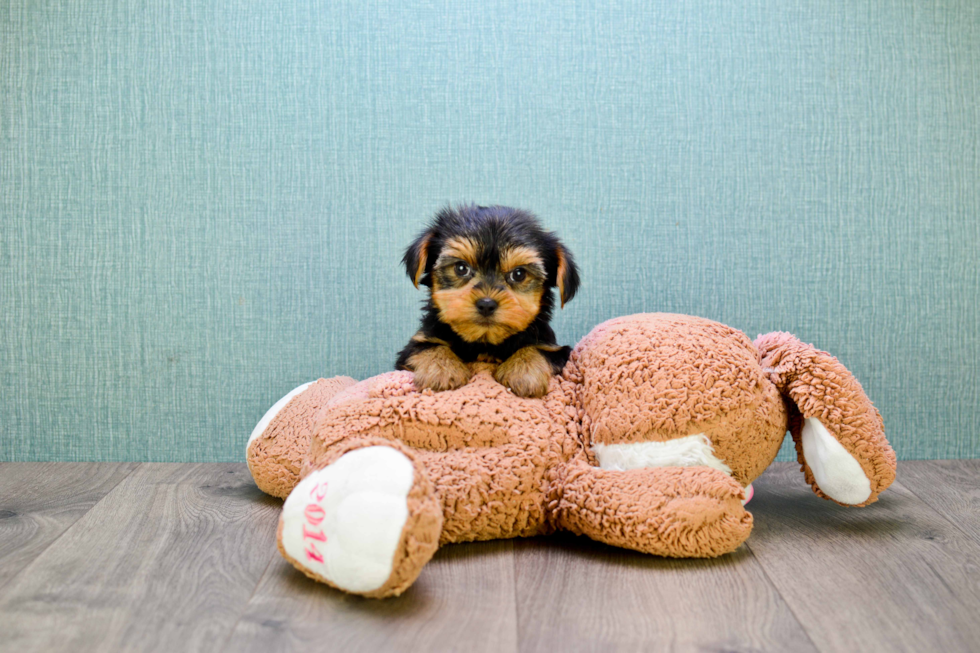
165, 562
950, 487
39, 501
463, 601
576, 594
893, 576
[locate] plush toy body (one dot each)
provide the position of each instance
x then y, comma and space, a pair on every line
647, 440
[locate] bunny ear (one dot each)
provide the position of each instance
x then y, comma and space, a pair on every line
839, 435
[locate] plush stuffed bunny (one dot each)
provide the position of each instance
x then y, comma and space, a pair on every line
649, 440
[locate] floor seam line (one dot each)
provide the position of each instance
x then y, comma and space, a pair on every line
7, 582
785, 601
258, 583
517, 612
959, 528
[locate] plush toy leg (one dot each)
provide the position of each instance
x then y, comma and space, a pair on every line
839, 435
280, 440
489, 493
366, 523
689, 512
486, 493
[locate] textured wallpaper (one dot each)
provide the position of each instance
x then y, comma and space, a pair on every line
203, 203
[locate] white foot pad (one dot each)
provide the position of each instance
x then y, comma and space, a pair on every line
344, 521
837, 473
749, 493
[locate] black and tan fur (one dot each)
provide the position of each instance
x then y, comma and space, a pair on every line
503, 257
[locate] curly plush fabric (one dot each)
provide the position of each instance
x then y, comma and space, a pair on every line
645, 441
820, 387
276, 455
656, 377
678, 512
486, 449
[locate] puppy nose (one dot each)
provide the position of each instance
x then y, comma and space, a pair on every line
486, 306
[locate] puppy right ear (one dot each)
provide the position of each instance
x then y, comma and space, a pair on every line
417, 256
567, 275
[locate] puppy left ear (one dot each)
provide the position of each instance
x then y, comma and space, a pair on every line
566, 277
417, 256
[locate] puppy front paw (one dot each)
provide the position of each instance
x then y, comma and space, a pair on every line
527, 373
438, 368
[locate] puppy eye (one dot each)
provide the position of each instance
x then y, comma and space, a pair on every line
517, 275
462, 269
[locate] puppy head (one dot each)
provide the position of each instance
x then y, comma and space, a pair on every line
491, 270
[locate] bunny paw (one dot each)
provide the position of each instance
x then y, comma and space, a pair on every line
343, 524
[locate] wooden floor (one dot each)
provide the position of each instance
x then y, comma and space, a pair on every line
181, 557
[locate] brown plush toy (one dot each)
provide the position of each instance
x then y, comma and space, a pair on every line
649, 440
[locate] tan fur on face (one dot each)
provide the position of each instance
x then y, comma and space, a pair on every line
513, 257
517, 308
438, 368
457, 308
527, 373
463, 249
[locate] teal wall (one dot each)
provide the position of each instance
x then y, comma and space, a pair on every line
203, 203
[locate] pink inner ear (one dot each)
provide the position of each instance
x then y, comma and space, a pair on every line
749, 493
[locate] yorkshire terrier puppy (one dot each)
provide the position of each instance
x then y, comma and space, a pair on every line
490, 270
